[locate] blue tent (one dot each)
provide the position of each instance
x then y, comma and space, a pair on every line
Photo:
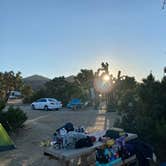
74, 102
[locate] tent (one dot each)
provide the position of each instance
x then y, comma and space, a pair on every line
5, 141
74, 103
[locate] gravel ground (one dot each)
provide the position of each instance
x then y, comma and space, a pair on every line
41, 125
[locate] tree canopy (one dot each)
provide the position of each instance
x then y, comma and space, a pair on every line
9, 81
143, 110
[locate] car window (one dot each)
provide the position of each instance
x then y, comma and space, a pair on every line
41, 100
38, 100
52, 100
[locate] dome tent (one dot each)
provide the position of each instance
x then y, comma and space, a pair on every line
5, 141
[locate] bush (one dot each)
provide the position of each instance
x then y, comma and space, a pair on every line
111, 108
13, 119
36, 95
2, 104
27, 100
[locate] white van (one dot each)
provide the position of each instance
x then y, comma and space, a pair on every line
15, 95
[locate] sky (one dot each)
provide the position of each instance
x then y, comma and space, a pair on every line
59, 37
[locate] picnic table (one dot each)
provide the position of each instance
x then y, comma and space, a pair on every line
66, 157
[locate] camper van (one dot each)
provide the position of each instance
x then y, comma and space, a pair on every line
15, 95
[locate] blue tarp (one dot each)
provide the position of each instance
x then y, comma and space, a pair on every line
74, 102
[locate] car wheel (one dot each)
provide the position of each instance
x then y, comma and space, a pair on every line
46, 108
57, 109
33, 107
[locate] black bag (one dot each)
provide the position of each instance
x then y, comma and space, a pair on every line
84, 142
112, 134
68, 126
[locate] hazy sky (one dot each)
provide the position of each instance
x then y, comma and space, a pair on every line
59, 37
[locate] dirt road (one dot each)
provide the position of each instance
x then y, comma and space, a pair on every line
41, 125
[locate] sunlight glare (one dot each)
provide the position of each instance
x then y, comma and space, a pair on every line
106, 77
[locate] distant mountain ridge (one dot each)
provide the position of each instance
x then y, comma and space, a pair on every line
36, 81
70, 79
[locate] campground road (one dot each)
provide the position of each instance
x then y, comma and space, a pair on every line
41, 125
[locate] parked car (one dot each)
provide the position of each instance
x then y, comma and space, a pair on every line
75, 103
46, 104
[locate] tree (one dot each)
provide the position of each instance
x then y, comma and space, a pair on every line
14, 117
123, 89
147, 116
85, 80
26, 91
104, 69
9, 81
61, 89
103, 83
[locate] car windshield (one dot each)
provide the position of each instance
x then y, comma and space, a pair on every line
41, 100
52, 100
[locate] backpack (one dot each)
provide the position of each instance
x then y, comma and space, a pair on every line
68, 126
84, 142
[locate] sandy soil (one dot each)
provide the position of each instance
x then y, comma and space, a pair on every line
41, 125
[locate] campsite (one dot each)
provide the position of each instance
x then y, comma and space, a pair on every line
41, 125
82, 83
99, 103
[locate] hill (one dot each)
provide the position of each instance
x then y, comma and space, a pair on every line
70, 79
35, 81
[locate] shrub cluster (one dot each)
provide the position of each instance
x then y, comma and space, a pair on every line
143, 111
12, 119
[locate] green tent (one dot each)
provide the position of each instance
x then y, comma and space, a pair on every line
5, 141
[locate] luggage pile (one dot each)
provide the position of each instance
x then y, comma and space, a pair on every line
111, 151
118, 148
69, 137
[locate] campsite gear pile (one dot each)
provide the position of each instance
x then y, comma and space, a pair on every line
69, 137
112, 151
116, 149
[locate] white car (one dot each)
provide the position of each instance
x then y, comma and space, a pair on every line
46, 104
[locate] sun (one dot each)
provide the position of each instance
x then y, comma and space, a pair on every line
106, 77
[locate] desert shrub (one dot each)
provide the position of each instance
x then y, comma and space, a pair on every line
111, 107
27, 100
2, 104
13, 118
41, 93
60, 89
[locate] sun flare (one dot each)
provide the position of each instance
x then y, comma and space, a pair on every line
106, 77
